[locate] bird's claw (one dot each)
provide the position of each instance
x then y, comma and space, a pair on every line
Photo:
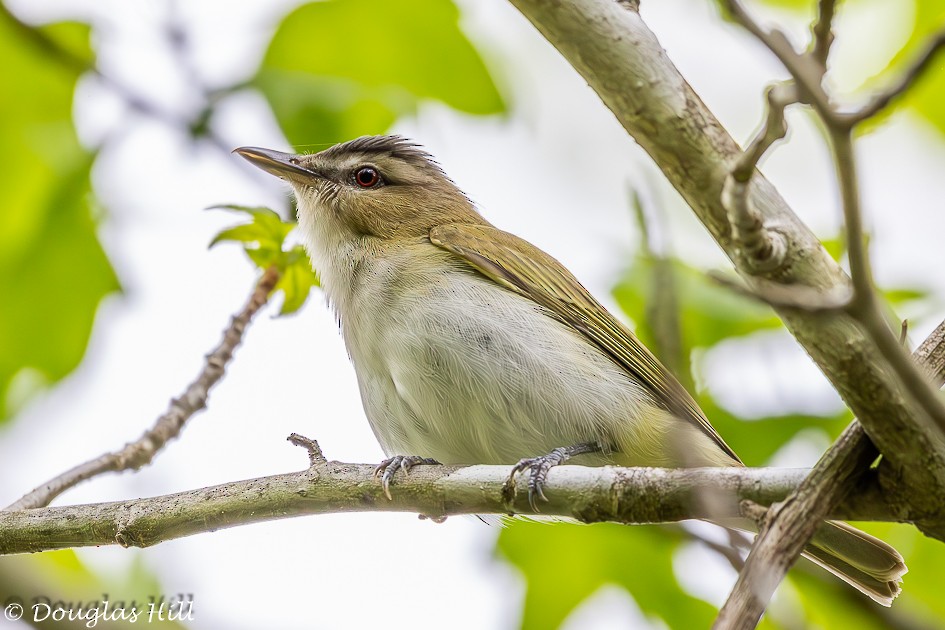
391, 465
537, 468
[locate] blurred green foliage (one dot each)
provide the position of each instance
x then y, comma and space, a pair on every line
925, 98
564, 564
341, 69
59, 577
47, 229
263, 240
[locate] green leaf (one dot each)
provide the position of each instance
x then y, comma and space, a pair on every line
902, 295
343, 68
263, 240
564, 564
925, 97
246, 233
756, 440
53, 271
329, 110
836, 246
296, 282
708, 312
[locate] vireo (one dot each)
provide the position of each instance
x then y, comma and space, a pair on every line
473, 346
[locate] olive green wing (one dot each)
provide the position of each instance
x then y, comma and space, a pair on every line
523, 268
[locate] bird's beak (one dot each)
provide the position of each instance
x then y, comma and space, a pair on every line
275, 162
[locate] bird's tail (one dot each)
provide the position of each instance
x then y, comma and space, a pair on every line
862, 561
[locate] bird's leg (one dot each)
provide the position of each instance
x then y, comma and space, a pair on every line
402, 462
538, 468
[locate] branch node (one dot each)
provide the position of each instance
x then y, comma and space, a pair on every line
755, 511
315, 455
762, 250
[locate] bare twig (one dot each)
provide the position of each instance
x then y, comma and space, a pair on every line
865, 304
779, 295
808, 73
731, 551
662, 303
671, 123
790, 525
139, 453
882, 100
762, 249
777, 98
785, 534
315, 455
588, 494
822, 31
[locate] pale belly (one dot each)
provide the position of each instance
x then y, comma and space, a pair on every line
467, 372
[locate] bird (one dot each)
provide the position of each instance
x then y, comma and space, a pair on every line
473, 346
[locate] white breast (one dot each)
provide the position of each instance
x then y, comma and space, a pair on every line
459, 369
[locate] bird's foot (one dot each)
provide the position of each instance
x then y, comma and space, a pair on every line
538, 468
391, 465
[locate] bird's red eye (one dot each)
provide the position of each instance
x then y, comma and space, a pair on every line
367, 177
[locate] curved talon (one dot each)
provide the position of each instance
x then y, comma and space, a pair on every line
538, 468
403, 462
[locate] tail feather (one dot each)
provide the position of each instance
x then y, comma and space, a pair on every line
862, 561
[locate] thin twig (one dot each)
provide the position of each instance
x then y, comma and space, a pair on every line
662, 303
774, 128
139, 453
729, 551
315, 455
62, 55
822, 31
779, 295
882, 100
864, 306
807, 72
789, 526
762, 249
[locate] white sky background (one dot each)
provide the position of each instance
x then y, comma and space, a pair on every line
555, 171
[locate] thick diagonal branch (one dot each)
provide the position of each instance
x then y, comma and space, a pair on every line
621, 59
791, 525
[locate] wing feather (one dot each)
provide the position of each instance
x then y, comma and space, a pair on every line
523, 268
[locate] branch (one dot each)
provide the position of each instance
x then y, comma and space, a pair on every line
822, 32
865, 305
662, 303
790, 525
168, 426
590, 495
882, 100
612, 48
67, 58
792, 296
763, 249
808, 72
